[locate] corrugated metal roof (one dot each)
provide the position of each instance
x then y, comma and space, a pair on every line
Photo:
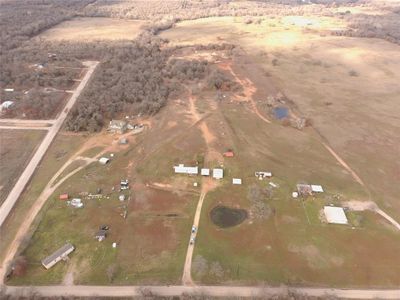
218, 173
317, 188
67, 248
335, 215
205, 172
181, 169
236, 181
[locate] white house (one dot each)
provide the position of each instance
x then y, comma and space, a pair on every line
205, 172
236, 181
181, 169
218, 173
335, 215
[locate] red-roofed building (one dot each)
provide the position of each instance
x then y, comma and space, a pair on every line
64, 197
229, 154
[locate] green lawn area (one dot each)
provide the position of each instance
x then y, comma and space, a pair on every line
59, 152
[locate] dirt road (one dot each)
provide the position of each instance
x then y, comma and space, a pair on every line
187, 277
27, 222
12, 198
372, 206
216, 291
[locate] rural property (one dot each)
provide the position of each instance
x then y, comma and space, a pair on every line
200, 149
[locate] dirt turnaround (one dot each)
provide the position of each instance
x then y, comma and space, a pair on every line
225, 217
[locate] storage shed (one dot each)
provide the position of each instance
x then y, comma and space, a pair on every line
218, 173
236, 181
205, 172
104, 160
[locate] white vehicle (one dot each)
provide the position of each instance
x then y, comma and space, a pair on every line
194, 229
192, 240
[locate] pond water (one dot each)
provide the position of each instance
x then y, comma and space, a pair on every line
224, 216
281, 112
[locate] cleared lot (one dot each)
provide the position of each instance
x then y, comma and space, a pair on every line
16, 149
90, 29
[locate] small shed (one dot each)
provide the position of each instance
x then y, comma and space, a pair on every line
101, 235
218, 173
236, 181
205, 172
317, 188
6, 105
60, 254
64, 197
229, 154
104, 160
335, 215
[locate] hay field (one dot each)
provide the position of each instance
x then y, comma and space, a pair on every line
90, 29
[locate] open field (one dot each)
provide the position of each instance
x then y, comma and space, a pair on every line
90, 29
350, 136
59, 152
16, 148
326, 77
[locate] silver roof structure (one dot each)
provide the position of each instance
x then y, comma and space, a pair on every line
62, 252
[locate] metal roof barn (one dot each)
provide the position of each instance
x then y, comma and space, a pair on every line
335, 215
181, 169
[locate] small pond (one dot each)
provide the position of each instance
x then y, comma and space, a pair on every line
225, 217
281, 112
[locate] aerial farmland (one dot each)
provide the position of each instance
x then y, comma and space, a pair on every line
217, 151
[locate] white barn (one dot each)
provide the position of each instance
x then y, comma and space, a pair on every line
181, 169
335, 215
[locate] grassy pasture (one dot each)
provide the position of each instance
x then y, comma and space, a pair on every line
354, 111
61, 149
16, 149
90, 29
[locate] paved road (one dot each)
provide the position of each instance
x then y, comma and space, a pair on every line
187, 277
12, 198
221, 291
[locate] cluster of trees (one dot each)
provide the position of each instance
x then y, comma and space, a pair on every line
374, 26
20, 20
134, 77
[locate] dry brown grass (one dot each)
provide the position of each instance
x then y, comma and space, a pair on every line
89, 29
